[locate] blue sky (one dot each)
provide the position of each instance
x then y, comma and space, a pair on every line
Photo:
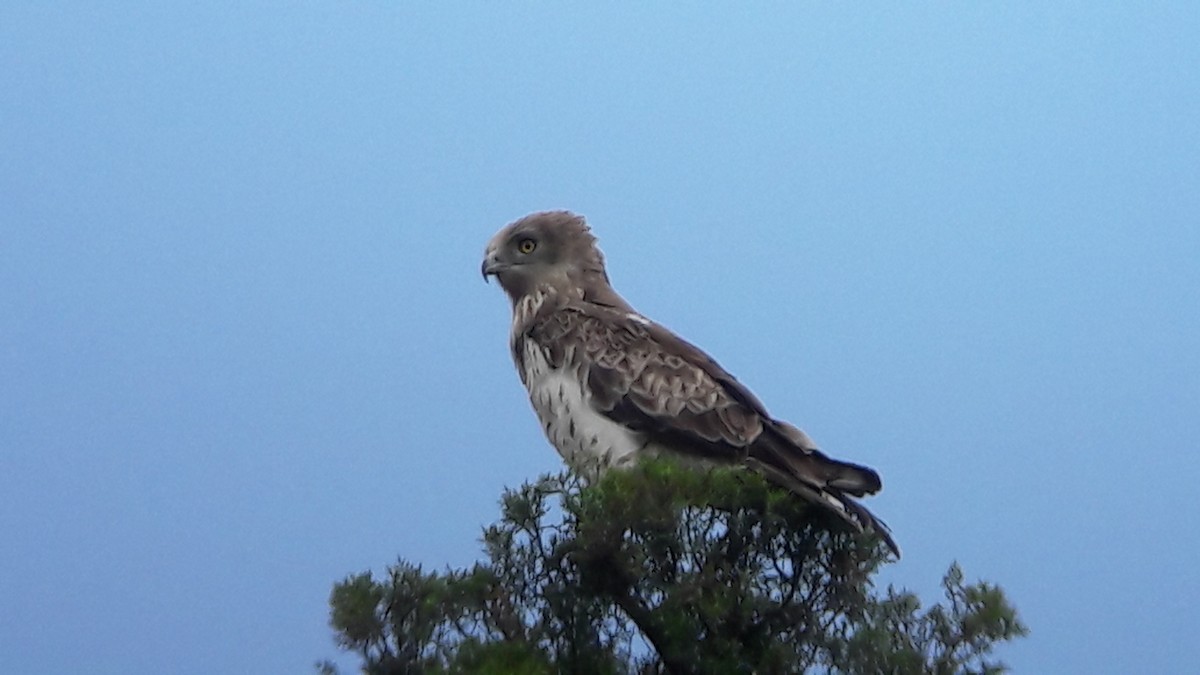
245, 349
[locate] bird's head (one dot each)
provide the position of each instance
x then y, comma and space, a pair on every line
553, 249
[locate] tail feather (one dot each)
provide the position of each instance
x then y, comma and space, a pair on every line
794, 448
875, 524
854, 514
790, 459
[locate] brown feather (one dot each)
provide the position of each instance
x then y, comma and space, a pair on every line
644, 377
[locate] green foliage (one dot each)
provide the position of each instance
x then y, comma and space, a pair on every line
664, 569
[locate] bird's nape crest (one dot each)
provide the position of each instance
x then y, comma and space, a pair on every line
576, 256
570, 231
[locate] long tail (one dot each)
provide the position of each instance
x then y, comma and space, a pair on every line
786, 456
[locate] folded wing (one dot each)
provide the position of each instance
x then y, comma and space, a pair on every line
643, 376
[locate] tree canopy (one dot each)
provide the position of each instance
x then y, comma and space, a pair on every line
666, 569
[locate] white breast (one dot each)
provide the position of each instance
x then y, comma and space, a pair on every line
588, 441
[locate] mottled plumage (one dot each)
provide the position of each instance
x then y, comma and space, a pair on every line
609, 385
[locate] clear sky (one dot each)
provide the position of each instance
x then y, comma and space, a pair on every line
245, 349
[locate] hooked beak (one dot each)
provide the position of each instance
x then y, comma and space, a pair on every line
492, 265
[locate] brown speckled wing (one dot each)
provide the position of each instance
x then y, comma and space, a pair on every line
644, 376
641, 375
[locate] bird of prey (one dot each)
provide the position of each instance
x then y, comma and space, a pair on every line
610, 386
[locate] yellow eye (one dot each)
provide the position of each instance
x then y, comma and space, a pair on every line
526, 246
